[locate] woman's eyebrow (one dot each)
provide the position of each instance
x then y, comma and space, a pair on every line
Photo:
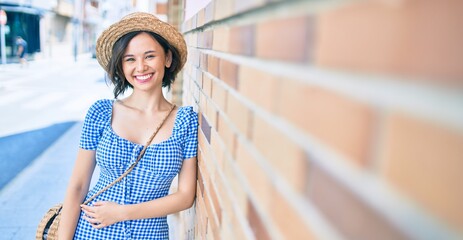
147, 52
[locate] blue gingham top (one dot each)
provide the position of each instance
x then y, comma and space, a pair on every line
150, 179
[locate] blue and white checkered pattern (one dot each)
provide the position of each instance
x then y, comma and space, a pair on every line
150, 179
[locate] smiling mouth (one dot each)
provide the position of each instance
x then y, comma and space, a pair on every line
143, 77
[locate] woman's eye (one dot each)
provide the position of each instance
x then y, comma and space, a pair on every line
150, 56
129, 59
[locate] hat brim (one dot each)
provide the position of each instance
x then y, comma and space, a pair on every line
138, 22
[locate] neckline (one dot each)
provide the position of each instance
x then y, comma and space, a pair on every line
138, 144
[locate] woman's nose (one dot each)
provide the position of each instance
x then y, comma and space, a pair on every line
141, 65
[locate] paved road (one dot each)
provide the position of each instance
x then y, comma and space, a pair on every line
41, 108
39, 103
18, 150
48, 92
42, 184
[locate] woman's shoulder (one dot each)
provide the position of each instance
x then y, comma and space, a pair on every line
187, 113
102, 105
101, 109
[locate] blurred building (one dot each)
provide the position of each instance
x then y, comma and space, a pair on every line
66, 28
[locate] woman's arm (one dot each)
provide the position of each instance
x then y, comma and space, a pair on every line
76, 192
103, 214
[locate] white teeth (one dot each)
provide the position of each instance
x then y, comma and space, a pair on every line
144, 77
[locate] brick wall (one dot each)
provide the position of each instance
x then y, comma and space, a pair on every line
327, 119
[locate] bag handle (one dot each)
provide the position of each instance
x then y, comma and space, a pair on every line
133, 164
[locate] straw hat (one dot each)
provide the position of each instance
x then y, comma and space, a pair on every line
138, 21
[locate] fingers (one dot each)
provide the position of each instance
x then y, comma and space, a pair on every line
89, 214
94, 222
87, 208
99, 203
95, 215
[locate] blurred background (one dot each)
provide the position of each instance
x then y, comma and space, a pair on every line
64, 27
319, 119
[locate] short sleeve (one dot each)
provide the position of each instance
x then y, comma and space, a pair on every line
97, 118
190, 146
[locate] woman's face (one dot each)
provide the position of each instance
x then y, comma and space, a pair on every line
144, 62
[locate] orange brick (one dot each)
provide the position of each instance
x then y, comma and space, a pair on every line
219, 95
239, 114
201, 217
212, 114
225, 200
207, 85
215, 231
342, 123
254, 219
210, 209
257, 179
203, 110
244, 5
205, 39
193, 90
285, 156
213, 65
209, 234
252, 79
348, 214
217, 149
241, 39
206, 173
204, 146
228, 72
209, 12
288, 220
283, 39
193, 55
238, 228
203, 62
201, 18
194, 21
221, 39
191, 39
239, 195
200, 189
186, 26
424, 160
215, 201
199, 74
227, 135
410, 38
226, 232
222, 9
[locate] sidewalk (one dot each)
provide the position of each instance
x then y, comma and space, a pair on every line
41, 185
38, 187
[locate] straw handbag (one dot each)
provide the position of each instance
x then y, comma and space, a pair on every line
48, 226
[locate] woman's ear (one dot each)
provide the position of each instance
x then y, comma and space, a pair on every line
168, 59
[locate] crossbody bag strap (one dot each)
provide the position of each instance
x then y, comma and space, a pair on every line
133, 164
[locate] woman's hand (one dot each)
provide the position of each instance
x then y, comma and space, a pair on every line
102, 214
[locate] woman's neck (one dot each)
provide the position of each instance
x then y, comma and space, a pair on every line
148, 103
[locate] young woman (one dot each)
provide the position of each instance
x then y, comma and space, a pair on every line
145, 54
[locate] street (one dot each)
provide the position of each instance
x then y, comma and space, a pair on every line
48, 92
42, 108
40, 103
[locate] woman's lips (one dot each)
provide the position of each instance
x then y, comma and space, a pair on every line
143, 78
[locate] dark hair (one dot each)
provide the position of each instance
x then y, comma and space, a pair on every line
116, 74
